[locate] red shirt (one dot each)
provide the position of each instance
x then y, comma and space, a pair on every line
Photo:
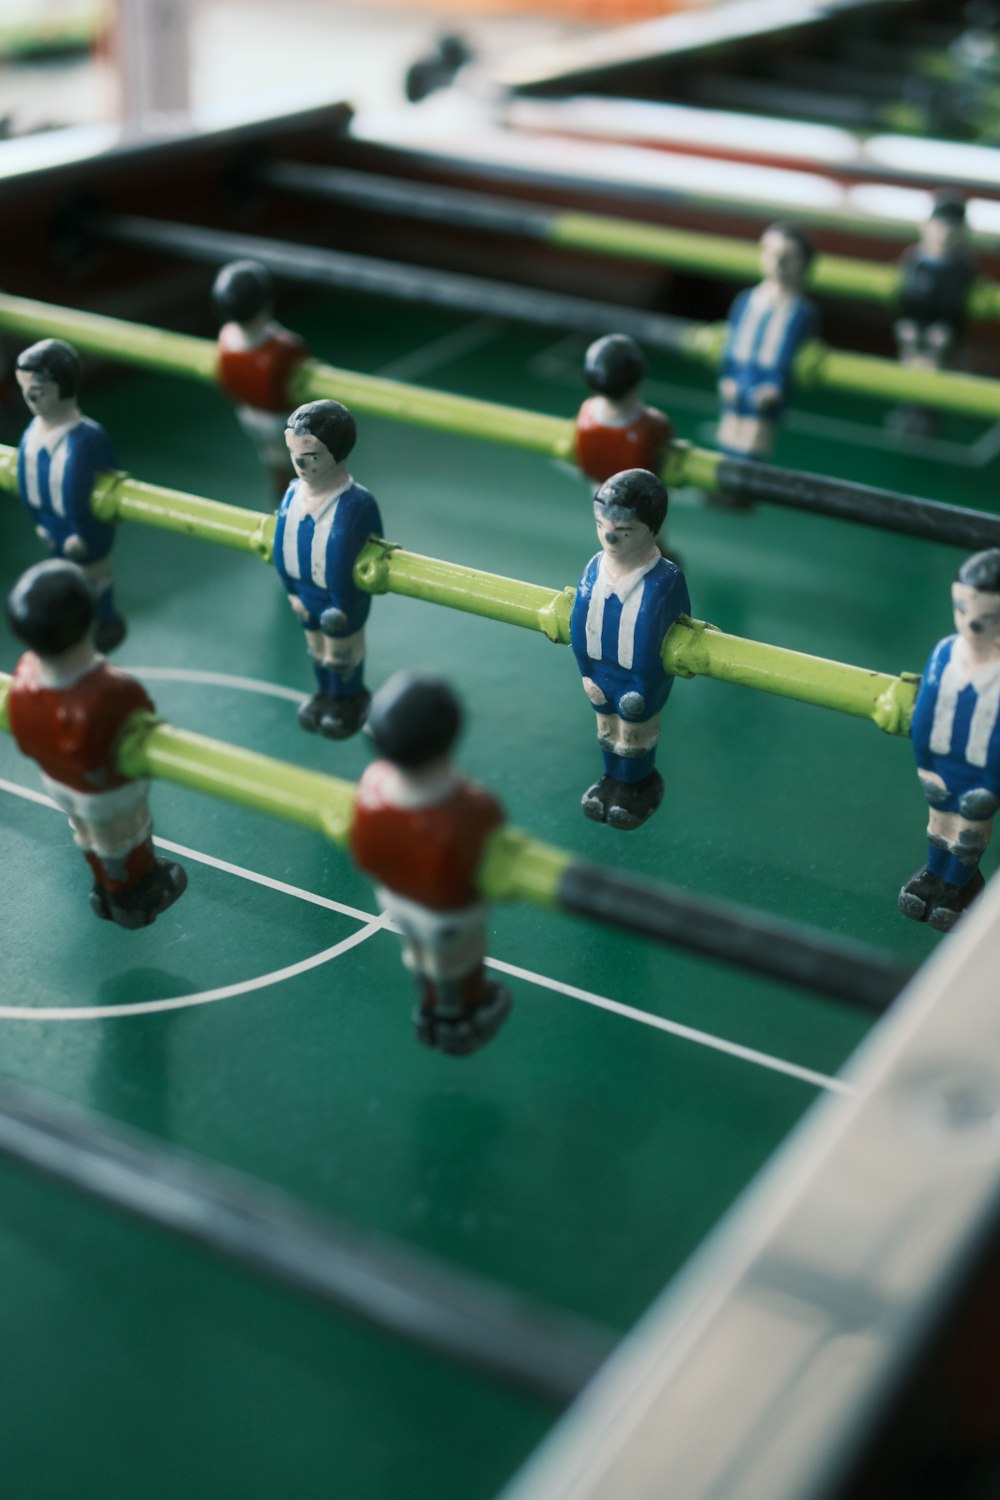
259, 376
602, 450
73, 732
427, 854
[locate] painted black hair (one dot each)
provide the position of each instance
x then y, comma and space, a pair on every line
328, 421
242, 290
640, 492
614, 366
981, 571
414, 719
798, 236
51, 607
55, 360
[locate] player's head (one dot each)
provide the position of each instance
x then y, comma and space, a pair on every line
614, 366
629, 509
414, 720
328, 422
949, 208
975, 595
48, 372
242, 290
51, 607
945, 226
786, 253
635, 493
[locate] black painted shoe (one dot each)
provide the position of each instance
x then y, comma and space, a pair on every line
953, 900
142, 903
110, 634
632, 802
458, 1036
343, 717
919, 893
99, 903
595, 799
310, 713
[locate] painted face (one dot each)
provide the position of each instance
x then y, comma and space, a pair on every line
41, 395
977, 620
940, 237
781, 259
626, 540
312, 460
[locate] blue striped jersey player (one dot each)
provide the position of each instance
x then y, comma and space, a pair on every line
956, 737
767, 327
628, 598
60, 456
323, 522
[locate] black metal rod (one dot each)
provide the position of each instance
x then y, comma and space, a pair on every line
743, 479
385, 278
415, 200
748, 940
450, 1312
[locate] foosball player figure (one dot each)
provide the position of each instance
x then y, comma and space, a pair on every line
956, 737
323, 522
935, 279
419, 830
615, 429
67, 709
257, 359
768, 324
629, 596
60, 456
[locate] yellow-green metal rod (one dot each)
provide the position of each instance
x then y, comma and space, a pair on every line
119, 497
818, 367
691, 648
440, 410
181, 354
515, 866
93, 333
717, 255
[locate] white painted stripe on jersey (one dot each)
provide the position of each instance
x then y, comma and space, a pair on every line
746, 334
32, 452
58, 458
290, 543
775, 332
320, 542
952, 683
595, 621
627, 624
984, 721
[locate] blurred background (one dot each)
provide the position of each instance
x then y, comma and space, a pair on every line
60, 59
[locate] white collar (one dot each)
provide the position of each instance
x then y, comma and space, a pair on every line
63, 671
51, 437
234, 336
605, 586
983, 674
320, 508
410, 790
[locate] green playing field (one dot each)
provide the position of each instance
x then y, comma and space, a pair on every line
263, 1023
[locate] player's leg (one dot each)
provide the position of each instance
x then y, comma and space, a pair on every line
342, 658
109, 627
950, 881
461, 1007
132, 885
631, 788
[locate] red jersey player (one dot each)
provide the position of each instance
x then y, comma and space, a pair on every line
257, 359
419, 830
615, 430
67, 709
